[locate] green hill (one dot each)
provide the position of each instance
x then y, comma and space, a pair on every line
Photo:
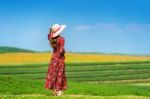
5, 49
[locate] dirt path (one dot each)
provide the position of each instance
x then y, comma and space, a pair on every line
69, 96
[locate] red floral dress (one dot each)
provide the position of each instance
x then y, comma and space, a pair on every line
55, 77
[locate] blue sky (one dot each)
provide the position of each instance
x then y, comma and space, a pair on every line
110, 26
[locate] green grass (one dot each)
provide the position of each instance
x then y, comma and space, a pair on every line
28, 79
85, 72
79, 64
16, 85
76, 69
105, 75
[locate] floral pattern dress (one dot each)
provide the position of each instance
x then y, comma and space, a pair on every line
55, 77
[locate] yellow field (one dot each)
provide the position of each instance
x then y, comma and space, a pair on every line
25, 58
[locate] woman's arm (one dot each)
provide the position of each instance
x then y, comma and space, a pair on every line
61, 42
49, 36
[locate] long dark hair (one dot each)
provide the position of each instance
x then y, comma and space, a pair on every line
53, 41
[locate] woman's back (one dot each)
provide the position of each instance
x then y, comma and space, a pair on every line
53, 42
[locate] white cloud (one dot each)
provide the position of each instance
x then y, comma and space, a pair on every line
134, 27
98, 26
82, 28
107, 26
113, 27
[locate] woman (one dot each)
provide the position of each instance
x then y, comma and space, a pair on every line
56, 78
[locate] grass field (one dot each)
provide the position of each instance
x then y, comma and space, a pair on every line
98, 77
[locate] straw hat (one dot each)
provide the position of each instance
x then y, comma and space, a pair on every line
56, 30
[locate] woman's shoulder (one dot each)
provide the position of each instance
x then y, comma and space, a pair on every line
61, 38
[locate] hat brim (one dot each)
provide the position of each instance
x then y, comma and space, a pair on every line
62, 27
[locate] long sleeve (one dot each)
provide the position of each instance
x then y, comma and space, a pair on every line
48, 36
61, 46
